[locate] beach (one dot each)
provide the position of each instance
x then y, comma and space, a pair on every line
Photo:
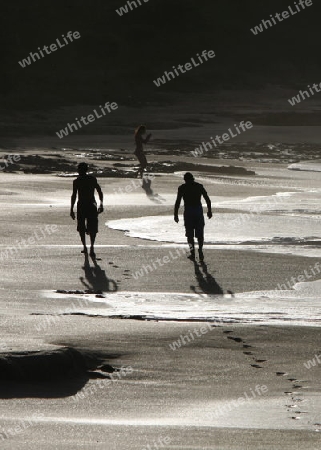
146, 349
137, 343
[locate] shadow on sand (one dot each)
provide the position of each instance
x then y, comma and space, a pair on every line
51, 374
96, 279
147, 186
205, 280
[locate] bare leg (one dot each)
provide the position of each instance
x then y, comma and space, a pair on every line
92, 243
143, 163
82, 235
200, 248
191, 244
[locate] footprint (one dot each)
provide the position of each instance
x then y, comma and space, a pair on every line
260, 360
281, 374
248, 353
236, 339
247, 346
227, 331
256, 366
297, 386
292, 379
111, 263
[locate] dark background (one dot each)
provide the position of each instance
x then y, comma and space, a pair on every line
118, 57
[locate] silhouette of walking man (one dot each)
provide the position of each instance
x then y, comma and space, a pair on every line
192, 192
87, 214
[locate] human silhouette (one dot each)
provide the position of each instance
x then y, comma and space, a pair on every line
87, 214
139, 150
192, 192
206, 281
147, 186
96, 280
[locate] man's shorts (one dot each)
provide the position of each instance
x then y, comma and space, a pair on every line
87, 218
194, 222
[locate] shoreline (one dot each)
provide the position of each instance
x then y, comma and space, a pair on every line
186, 394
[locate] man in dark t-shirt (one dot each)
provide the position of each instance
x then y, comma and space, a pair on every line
192, 192
87, 215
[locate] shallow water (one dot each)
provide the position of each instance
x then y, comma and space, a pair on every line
298, 306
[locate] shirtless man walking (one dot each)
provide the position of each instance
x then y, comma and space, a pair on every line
192, 192
87, 214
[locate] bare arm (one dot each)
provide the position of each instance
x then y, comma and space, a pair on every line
177, 205
145, 141
100, 194
73, 200
208, 202
101, 197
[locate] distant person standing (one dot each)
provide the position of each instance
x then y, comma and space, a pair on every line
192, 192
87, 214
139, 151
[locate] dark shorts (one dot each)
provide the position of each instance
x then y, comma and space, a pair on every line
194, 222
87, 218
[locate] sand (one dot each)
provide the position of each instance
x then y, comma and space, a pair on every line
187, 397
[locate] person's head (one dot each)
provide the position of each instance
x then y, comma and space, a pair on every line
82, 168
188, 177
140, 130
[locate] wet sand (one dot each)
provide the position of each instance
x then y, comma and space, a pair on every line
189, 395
